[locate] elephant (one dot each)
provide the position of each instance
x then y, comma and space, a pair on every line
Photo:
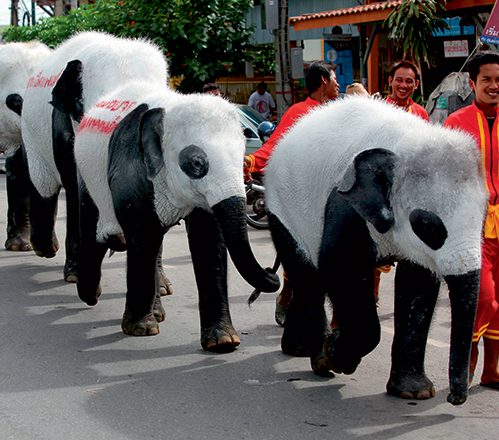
17, 62
148, 158
359, 184
83, 68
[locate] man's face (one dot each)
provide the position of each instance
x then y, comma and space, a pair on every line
261, 90
215, 92
403, 83
486, 87
332, 88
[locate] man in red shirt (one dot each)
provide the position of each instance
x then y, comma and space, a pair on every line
480, 120
404, 80
320, 80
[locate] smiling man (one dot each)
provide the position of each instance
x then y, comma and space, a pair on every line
480, 120
404, 80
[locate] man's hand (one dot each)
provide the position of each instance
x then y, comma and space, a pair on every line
246, 164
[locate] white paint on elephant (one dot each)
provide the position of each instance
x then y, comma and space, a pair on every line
17, 62
207, 121
108, 62
437, 170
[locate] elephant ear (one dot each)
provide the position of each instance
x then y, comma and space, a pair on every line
151, 134
15, 103
67, 94
366, 185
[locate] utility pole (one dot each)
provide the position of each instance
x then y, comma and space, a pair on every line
14, 19
282, 67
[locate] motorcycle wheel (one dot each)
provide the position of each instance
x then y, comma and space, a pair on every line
256, 215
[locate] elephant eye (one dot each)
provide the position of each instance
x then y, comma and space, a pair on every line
193, 161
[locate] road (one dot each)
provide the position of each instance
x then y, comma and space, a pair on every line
68, 372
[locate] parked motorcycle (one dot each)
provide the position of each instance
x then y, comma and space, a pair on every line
256, 214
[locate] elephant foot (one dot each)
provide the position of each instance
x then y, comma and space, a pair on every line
336, 363
320, 366
45, 248
158, 310
294, 348
293, 345
19, 242
90, 299
70, 272
410, 387
165, 286
222, 339
142, 326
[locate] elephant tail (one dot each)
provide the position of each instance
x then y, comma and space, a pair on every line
256, 293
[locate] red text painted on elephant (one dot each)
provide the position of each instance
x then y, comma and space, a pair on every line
44, 81
93, 125
116, 105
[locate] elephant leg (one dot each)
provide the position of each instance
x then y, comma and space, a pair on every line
42, 216
347, 251
306, 326
143, 302
416, 292
72, 231
18, 228
91, 252
165, 286
63, 143
209, 257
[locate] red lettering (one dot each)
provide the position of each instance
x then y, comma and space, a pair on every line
92, 125
43, 81
116, 105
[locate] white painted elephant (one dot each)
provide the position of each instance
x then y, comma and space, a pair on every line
17, 62
149, 158
69, 81
359, 184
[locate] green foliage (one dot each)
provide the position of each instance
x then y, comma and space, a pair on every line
412, 24
263, 59
203, 39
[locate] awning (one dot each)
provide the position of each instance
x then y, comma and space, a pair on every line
367, 14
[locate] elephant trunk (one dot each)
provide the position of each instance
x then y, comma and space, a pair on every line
230, 215
463, 294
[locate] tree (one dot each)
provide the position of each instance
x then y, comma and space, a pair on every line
413, 24
201, 38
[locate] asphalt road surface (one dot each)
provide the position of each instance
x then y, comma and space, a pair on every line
68, 372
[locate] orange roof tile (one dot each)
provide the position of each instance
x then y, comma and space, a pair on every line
346, 11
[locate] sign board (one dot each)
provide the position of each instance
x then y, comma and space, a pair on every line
456, 48
490, 33
297, 63
340, 53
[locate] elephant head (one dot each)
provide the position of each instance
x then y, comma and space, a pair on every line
193, 152
428, 207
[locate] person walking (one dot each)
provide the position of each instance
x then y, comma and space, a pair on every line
320, 80
261, 100
480, 120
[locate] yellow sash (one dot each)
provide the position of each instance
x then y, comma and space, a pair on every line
492, 221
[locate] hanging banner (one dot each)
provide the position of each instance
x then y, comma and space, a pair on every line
490, 33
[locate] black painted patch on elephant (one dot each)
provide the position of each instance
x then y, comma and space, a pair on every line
15, 102
429, 227
193, 161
